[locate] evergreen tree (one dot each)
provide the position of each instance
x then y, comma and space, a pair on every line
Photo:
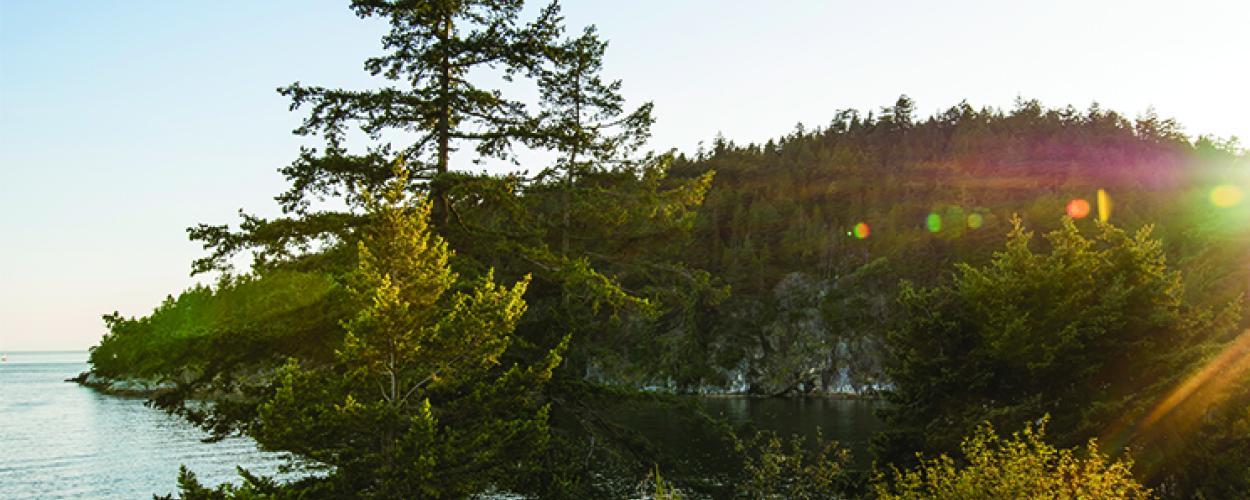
436, 53
1092, 331
433, 47
417, 402
584, 119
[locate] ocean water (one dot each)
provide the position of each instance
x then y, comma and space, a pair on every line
62, 440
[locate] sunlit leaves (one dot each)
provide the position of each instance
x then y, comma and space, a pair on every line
1022, 466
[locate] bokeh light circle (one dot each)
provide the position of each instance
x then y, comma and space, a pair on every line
933, 222
1226, 195
861, 230
975, 221
1104, 205
1078, 209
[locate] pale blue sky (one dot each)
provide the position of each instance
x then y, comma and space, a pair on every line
122, 123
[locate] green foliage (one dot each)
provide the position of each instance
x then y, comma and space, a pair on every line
663, 489
1195, 442
433, 49
600, 233
1093, 331
252, 488
210, 349
416, 402
777, 470
436, 102
583, 117
790, 205
280, 311
1023, 466
738, 266
617, 284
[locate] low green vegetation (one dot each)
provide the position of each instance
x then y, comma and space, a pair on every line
776, 469
1093, 330
1022, 466
412, 330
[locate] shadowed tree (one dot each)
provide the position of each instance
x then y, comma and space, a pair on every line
434, 46
1093, 331
417, 402
584, 119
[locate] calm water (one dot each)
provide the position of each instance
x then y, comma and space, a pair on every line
851, 422
60, 440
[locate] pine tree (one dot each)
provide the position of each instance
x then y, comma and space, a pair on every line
417, 402
436, 53
1091, 331
584, 118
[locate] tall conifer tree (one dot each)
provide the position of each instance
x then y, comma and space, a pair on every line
584, 117
432, 49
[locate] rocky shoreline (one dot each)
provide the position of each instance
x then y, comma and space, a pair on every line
120, 387
132, 387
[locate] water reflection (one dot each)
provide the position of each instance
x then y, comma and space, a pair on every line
851, 422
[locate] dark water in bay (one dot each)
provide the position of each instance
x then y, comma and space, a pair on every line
61, 440
851, 422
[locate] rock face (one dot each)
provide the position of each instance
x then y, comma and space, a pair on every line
122, 387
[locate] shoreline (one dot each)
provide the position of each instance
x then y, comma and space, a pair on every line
119, 387
146, 389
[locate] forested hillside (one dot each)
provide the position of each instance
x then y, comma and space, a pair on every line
431, 332
812, 231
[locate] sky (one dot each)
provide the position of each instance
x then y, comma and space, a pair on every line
123, 123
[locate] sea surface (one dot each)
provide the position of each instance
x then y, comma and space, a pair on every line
61, 440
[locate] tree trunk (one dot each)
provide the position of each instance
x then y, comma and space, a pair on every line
444, 97
442, 207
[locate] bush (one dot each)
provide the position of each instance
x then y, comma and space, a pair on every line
1024, 466
776, 469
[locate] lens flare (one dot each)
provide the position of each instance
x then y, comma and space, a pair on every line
1078, 209
861, 230
1226, 195
933, 222
1190, 399
975, 221
1183, 408
1104, 206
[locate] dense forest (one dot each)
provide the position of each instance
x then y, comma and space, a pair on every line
408, 328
